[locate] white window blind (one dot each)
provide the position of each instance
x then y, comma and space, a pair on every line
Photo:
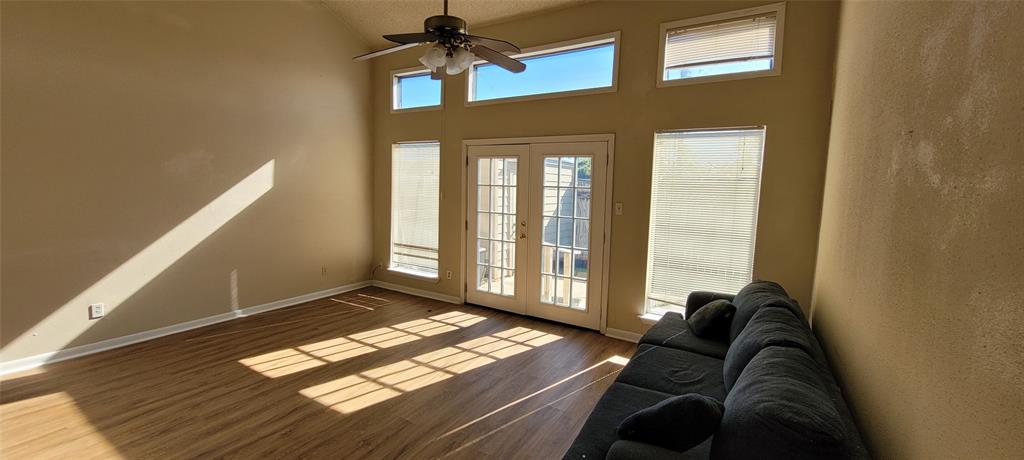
735, 45
704, 195
415, 193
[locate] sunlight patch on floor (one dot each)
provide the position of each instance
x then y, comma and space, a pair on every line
70, 433
359, 391
291, 360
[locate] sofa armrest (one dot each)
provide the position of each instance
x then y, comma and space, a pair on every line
698, 299
634, 450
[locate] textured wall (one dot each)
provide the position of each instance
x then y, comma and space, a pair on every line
920, 272
129, 132
793, 106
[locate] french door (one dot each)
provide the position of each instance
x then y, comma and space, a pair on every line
535, 233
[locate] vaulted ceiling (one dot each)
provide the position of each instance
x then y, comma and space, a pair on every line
373, 18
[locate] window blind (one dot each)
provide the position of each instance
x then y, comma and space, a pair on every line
704, 196
724, 42
415, 193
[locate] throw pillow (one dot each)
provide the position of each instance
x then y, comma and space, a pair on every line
712, 321
677, 423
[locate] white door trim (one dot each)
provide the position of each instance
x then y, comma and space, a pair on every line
608, 202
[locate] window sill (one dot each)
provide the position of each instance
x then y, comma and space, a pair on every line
425, 108
649, 318
423, 276
774, 72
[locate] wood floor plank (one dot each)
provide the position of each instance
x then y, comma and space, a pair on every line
366, 374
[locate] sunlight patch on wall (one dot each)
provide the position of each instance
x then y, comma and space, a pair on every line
291, 360
359, 391
69, 321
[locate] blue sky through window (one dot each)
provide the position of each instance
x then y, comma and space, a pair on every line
566, 71
418, 91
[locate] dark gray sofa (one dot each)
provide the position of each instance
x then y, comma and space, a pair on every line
781, 400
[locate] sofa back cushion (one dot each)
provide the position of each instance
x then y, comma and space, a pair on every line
769, 327
755, 296
781, 409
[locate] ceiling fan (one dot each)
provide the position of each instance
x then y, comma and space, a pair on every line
453, 50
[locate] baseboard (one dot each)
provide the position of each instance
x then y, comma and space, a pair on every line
622, 335
117, 342
416, 292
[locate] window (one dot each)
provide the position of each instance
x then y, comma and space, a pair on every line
415, 194
414, 90
739, 44
581, 66
704, 192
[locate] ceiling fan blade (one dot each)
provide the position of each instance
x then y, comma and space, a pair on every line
498, 59
419, 37
494, 44
385, 51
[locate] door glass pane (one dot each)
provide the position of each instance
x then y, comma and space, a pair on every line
565, 231
482, 250
581, 265
483, 224
547, 259
549, 230
565, 201
496, 225
547, 289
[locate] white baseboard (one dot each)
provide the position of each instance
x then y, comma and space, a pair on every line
416, 292
620, 334
117, 342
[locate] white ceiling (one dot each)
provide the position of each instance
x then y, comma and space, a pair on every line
373, 18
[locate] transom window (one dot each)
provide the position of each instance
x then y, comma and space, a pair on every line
579, 66
414, 90
415, 198
704, 193
738, 44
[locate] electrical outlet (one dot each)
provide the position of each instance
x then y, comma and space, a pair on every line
448, 274
323, 271
96, 310
618, 209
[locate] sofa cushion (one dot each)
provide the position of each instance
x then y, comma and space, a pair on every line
712, 320
674, 372
599, 432
678, 423
768, 327
675, 332
781, 409
633, 450
755, 296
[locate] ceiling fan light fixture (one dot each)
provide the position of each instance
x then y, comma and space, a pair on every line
460, 60
434, 57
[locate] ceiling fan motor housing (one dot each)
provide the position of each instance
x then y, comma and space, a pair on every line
445, 25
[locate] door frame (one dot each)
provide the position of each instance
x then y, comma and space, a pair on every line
608, 203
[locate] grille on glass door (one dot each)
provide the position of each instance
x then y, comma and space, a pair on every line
565, 229
496, 225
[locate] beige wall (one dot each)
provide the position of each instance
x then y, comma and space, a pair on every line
920, 272
121, 120
794, 107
